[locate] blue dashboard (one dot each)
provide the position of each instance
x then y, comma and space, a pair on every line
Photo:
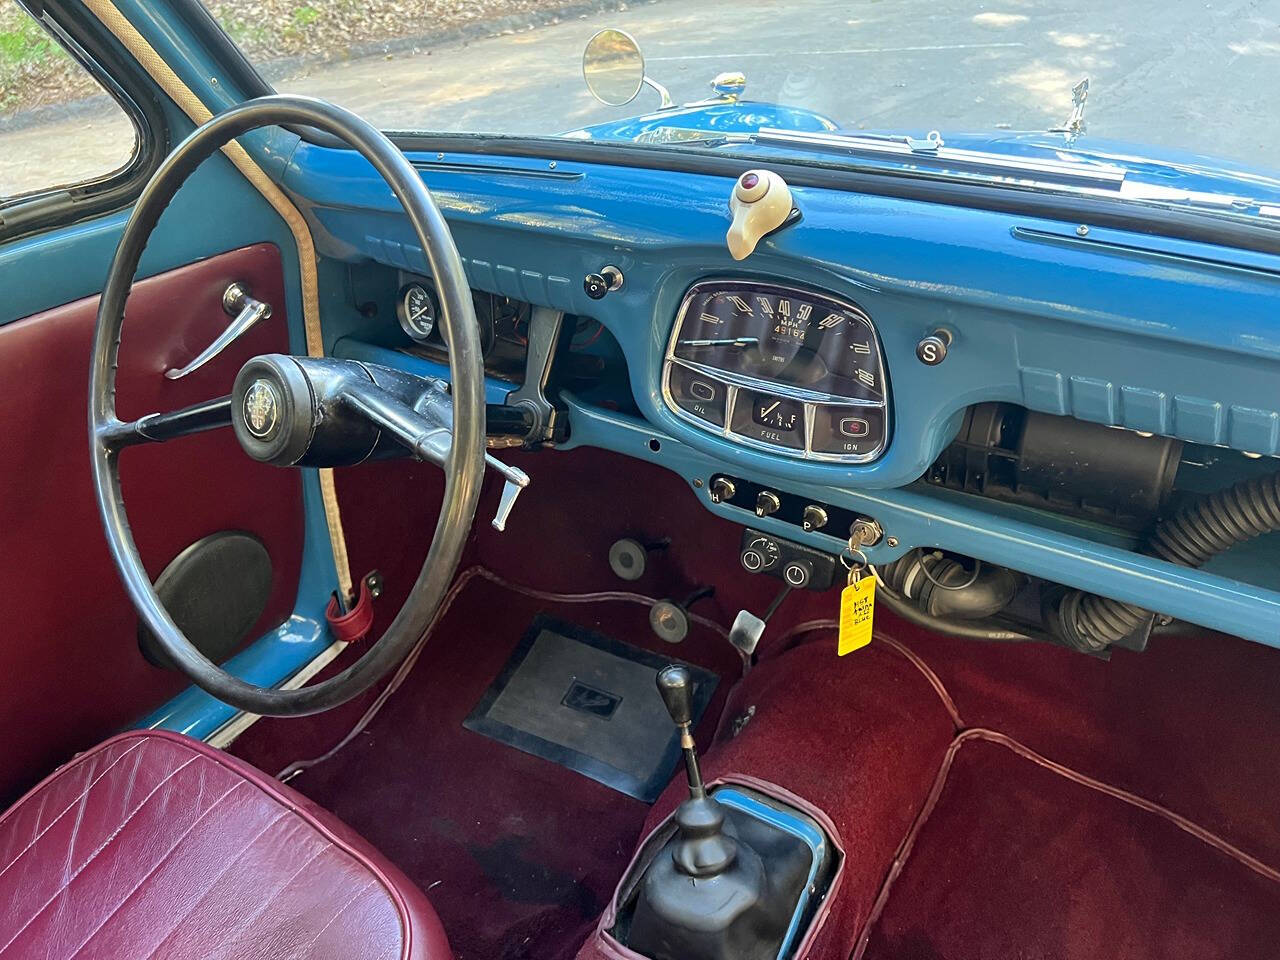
1140, 332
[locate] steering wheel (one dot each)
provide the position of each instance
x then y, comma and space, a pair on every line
463, 465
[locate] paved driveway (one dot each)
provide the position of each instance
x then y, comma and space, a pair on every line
1199, 75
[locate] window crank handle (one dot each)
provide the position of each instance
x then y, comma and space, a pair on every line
245, 312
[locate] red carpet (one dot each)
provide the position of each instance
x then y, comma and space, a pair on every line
1017, 861
517, 854
1013, 860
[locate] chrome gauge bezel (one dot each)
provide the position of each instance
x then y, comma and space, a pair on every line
811, 400
402, 311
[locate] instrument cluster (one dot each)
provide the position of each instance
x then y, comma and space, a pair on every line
797, 372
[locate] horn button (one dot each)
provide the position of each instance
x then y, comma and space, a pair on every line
272, 410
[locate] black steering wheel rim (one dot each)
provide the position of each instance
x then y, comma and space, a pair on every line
464, 469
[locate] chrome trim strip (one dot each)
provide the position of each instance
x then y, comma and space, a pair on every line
1108, 176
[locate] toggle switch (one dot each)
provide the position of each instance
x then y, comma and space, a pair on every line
813, 518
767, 503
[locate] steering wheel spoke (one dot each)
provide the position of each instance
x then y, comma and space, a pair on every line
162, 427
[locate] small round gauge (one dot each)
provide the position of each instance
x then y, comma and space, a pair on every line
416, 309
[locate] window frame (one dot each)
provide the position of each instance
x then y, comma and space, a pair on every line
84, 39
1196, 226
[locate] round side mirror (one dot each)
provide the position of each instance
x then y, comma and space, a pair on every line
613, 67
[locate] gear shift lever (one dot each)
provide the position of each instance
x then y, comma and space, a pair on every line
726, 883
702, 849
675, 685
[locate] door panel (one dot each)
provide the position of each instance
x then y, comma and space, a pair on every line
70, 669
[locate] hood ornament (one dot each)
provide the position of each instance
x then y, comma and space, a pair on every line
1074, 126
729, 86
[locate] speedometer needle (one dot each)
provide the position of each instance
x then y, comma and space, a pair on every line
738, 342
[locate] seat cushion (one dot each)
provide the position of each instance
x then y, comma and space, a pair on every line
155, 845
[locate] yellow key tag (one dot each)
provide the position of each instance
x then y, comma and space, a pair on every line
857, 607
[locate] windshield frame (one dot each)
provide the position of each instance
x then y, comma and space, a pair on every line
1148, 216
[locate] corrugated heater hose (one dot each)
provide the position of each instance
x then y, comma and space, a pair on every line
1189, 538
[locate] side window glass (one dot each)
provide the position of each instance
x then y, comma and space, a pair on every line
58, 126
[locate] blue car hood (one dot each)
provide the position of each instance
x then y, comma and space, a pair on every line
1169, 174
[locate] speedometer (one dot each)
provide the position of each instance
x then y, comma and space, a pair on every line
785, 337
796, 370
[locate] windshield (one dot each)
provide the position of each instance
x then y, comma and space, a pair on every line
1194, 77
1177, 100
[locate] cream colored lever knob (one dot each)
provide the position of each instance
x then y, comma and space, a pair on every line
760, 204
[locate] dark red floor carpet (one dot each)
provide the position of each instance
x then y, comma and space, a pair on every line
1192, 723
1017, 861
517, 854
1014, 861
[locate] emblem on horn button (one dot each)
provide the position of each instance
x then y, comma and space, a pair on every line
261, 409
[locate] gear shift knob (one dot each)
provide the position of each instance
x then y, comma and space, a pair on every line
676, 687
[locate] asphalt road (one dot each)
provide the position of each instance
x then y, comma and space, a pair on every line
1200, 76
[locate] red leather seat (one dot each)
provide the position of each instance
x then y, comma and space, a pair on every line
156, 845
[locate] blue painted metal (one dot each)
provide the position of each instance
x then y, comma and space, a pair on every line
1112, 330
815, 840
742, 116
924, 516
1162, 167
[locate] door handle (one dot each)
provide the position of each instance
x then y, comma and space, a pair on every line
244, 311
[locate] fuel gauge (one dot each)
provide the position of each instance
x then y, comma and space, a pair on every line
768, 418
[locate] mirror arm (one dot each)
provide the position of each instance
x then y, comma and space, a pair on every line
667, 103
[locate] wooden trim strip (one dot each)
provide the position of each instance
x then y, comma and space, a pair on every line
195, 109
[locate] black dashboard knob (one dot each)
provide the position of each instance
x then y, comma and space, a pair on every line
814, 517
722, 489
766, 503
932, 350
798, 573
595, 285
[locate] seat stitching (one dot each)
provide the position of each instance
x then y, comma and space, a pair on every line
340, 911
102, 846
158, 864
275, 895
73, 802
218, 876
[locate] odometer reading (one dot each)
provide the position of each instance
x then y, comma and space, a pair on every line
790, 361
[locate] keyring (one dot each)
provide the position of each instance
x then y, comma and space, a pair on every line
849, 566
